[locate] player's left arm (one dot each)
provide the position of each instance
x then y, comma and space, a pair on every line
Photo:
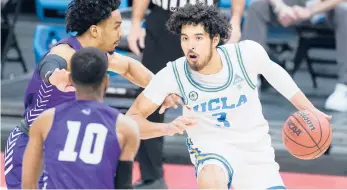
277, 77
32, 160
131, 69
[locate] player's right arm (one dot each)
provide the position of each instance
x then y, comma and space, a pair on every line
32, 160
128, 135
53, 67
162, 84
276, 76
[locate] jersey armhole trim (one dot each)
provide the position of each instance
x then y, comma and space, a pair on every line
177, 76
242, 66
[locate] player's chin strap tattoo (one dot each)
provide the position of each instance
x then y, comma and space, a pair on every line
123, 177
48, 64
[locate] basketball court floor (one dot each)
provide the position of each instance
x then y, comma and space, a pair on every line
329, 171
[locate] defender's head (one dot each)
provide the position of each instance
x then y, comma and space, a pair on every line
201, 28
99, 19
89, 72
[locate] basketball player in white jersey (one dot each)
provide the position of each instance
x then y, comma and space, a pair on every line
230, 143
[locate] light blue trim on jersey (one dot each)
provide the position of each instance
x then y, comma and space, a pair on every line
177, 76
216, 89
242, 66
201, 158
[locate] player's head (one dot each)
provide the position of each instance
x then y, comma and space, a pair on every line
98, 19
89, 72
201, 28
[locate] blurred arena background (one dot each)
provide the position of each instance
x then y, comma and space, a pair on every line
27, 33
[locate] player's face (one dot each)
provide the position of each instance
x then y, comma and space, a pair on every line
110, 32
196, 45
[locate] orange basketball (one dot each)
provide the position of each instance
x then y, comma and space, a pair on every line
306, 135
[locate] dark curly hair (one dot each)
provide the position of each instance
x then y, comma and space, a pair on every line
81, 14
214, 22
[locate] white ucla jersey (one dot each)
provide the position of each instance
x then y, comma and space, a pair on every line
231, 112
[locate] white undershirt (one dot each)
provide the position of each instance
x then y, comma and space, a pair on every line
212, 80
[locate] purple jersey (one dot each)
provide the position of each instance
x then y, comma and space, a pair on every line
81, 150
40, 96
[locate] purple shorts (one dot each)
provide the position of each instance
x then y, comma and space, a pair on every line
14, 152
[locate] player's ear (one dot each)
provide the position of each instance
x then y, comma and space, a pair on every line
215, 40
93, 30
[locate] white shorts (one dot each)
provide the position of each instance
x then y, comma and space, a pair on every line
250, 166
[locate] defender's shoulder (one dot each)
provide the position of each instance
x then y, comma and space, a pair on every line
63, 50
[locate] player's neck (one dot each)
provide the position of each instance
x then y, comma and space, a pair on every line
89, 96
85, 41
214, 66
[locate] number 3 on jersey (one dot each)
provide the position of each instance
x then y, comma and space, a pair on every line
93, 129
221, 117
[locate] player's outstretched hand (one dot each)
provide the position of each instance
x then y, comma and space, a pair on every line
180, 124
171, 101
60, 78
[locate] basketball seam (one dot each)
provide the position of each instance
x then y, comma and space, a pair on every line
320, 135
315, 150
306, 132
297, 142
320, 127
324, 149
324, 144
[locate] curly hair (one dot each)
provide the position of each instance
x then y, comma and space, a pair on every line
213, 22
81, 14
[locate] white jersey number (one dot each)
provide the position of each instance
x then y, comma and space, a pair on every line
69, 154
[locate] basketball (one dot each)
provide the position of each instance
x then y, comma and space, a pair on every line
306, 135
